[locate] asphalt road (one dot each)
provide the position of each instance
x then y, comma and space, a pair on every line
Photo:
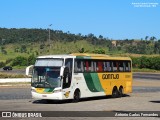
14, 71
24, 93
147, 76
143, 98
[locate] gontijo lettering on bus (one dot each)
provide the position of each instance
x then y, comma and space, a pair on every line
110, 76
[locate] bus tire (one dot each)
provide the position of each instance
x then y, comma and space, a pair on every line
121, 94
115, 92
76, 96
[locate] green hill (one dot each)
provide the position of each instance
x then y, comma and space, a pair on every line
34, 42
28, 42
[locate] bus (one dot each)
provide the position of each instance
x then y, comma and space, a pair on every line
80, 75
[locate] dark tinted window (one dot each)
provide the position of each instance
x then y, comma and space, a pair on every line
82, 65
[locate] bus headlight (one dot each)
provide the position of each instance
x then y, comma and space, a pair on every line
57, 91
33, 90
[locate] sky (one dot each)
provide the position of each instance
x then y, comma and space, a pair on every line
115, 19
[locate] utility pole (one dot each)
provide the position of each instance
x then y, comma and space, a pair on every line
49, 40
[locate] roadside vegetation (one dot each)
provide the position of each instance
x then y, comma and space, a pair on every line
20, 47
9, 75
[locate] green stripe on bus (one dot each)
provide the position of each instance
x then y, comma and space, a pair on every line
89, 82
83, 57
48, 90
96, 82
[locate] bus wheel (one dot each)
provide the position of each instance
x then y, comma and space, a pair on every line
76, 96
115, 93
121, 94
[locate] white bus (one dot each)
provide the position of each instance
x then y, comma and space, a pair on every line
75, 76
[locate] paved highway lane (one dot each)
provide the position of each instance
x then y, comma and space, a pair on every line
14, 71
146, 76
9, 93
145, 97
24, 93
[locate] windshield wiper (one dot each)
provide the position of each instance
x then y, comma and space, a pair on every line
39, 85
48, 83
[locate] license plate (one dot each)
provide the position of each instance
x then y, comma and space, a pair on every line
44, 95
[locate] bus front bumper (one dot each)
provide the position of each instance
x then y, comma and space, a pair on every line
51, 96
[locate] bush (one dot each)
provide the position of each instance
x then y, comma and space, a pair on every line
2, 64
99, 51
23, 61
31, 59
20, 61
7, 75
135, 62
146, 62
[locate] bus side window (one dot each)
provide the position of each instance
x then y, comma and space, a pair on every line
104, 66
99, 66
107, 66
88, 66
77, 66
94, 66
127, 66
121, 66
82, 66
115, 67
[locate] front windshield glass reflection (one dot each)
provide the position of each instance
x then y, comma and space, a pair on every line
46, 77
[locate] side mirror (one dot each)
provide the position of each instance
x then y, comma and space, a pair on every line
62, 71
29, 70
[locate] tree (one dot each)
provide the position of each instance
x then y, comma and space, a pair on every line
146, 38
90, 35
99, 51
152, 38
100, 37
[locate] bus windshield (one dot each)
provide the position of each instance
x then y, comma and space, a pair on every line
46, 77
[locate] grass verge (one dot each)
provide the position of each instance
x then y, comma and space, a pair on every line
9, 75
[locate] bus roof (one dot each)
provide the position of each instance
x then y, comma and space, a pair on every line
98, 56
56, 56
89, 54
85, 56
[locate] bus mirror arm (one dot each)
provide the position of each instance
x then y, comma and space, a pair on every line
29, 70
